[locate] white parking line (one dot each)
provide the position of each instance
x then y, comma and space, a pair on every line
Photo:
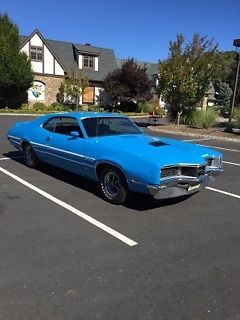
200, 139
68, 207
232, 163
233, 150
203, 145
7, 158
224, 192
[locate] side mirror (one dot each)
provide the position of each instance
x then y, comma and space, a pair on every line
74, 134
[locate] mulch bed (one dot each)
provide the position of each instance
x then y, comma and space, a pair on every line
207, 132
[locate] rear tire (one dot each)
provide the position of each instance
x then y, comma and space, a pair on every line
30, 157
113, 185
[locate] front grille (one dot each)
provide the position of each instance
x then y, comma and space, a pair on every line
190, 171
201, 171
183, 171
169, 172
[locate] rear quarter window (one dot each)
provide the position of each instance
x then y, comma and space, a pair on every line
51, 124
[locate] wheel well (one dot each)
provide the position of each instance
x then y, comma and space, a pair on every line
24, 144
102, 166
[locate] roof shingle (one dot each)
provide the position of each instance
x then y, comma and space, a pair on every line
66, 53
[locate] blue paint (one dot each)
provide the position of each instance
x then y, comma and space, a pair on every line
139, 156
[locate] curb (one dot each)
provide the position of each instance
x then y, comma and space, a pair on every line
188, 134
43, 114
22, 114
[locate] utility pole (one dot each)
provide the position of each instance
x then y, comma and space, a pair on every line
236, 43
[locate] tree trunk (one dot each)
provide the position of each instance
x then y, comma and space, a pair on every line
178, 117
77, 103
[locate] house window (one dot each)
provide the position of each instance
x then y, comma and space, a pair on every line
37, 53
88, 62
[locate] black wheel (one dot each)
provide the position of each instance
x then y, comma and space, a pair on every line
113, 185
30, 157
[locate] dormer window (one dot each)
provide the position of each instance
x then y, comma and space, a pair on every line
36, 53
88, 62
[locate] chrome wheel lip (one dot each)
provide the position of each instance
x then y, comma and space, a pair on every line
111, 184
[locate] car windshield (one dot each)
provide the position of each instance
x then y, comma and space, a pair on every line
107, 126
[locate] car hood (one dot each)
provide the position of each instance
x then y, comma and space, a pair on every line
164, 151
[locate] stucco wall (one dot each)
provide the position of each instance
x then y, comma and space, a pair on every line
49, 65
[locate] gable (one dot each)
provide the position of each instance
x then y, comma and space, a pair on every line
43, 59
60, 56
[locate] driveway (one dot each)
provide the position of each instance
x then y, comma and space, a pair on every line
183, 261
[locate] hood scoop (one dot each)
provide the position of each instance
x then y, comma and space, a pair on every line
157, 143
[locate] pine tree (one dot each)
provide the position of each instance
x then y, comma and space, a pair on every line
16, 75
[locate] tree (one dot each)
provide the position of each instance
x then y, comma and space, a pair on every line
231, 75
72, 88
223, 94
16, 75
128, 84
227, 63
185, 76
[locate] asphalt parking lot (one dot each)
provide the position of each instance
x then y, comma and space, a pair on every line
66, 254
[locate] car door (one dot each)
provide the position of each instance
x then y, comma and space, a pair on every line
42, 147
63, 148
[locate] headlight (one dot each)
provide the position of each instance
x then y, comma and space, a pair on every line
217, 162
214, 162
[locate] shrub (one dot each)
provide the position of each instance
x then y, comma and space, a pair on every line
187, 116
39, 106
145, 107
93, 107
24, 107
127, 106
236, 116
202, 119
161, 112
152, 106
56, 106
184, 119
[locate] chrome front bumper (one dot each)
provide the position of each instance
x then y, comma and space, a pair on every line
182, 185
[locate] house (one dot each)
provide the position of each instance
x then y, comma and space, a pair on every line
52, 59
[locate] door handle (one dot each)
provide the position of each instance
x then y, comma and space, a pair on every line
49, 138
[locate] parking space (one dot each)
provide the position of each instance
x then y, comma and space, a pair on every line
183, 262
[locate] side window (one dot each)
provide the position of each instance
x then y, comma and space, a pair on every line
90, 126
69, 125
52, 124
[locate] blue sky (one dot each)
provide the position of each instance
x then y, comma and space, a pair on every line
139, 29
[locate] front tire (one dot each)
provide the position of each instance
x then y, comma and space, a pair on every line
30, 157
113, 185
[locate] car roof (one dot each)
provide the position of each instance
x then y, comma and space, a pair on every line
86, 114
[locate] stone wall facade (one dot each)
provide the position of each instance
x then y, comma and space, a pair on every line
52, 85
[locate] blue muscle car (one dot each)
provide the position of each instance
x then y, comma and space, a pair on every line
112, 150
